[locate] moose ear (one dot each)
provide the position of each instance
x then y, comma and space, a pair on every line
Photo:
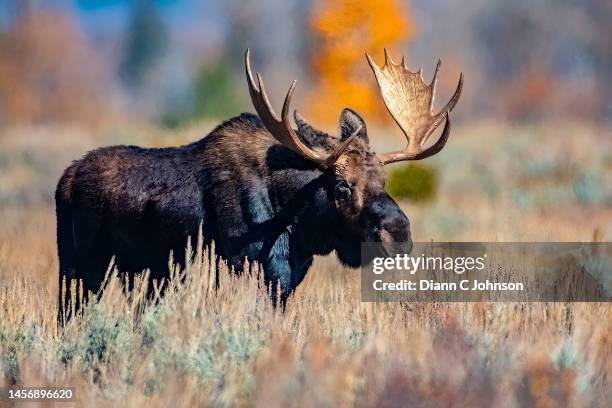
349, 122
311, 136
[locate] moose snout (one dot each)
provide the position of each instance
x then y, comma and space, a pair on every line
392, 227
394, 233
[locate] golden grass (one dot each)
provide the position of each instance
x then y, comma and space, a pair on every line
197, 347
233, 347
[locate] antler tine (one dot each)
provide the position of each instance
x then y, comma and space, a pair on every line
287, 102
410, 102
434, 82
388, 158
281, 128
453, 101
388, 59
343, 146
264, 97
444, 112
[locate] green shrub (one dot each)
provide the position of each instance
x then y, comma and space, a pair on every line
415, 182
215, 95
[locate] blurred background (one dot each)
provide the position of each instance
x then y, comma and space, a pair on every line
530, 156
529, 159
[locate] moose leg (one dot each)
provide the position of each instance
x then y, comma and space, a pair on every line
67, 259
277, 270
91, 254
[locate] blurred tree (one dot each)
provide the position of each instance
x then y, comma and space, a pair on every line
343, 30
215, 95
48, 71
600, 51
520, 50
547, 58
145, 42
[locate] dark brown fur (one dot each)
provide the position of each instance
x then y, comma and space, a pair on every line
256, 199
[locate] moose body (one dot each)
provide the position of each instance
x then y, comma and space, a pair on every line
256, 200
263, 192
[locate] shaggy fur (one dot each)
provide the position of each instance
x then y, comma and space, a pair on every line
255, 198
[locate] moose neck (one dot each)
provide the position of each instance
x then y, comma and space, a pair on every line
306, 208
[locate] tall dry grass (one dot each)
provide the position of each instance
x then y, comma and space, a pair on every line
197, 346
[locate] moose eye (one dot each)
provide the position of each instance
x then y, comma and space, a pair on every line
343, 191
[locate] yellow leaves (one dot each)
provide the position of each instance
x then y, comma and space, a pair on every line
343, 30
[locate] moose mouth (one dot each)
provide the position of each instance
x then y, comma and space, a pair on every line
350, 254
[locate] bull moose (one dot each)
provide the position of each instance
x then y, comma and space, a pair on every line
263, 190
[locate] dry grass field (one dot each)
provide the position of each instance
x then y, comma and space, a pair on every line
197, 347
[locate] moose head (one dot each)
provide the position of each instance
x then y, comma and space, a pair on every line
356, 207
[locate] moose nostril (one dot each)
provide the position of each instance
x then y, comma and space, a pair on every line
396, 230
385, 236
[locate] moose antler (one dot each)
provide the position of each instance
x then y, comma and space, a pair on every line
281, 129
410, 101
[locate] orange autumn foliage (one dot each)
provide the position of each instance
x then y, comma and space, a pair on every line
343, 30
49, 72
